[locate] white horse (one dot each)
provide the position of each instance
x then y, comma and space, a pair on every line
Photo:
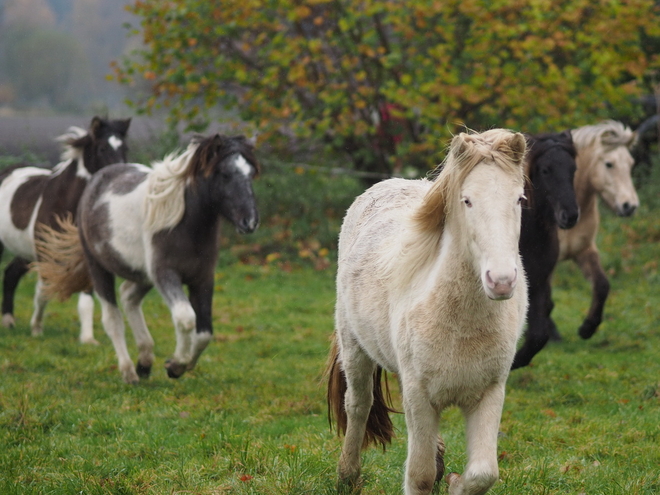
604, 165
430, 286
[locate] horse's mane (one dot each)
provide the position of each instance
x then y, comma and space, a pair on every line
164, 204
419, 244
69, 151
607, 134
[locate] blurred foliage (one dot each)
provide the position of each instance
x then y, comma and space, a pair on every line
389, 81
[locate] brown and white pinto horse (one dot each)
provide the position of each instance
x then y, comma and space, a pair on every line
604, 165
35, 195
155, 227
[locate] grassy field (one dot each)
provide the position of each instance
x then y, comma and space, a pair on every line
251, 418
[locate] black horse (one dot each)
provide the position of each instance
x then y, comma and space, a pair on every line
551, 203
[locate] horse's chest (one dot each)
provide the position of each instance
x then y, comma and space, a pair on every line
457, 355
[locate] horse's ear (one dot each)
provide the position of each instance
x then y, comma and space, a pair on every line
515, 148
96, 126
122, 126
460, 144
252, 140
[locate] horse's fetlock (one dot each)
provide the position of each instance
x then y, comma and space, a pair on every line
8, 320
184, 317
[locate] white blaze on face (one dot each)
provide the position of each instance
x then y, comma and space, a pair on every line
243, 166
115, 142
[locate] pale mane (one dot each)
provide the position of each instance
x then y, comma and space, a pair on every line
419, 243
164, 202
608, 133
70, 152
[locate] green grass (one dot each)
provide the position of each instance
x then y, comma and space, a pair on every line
251, 418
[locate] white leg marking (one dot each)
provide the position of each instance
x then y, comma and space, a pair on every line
113, 323
200, 341
86, 315
184, 318
135, 317
8, 320
39, 308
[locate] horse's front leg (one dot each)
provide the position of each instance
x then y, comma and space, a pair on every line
482, 424
537, 334
201, 299
424, 448
168, 282
589, 263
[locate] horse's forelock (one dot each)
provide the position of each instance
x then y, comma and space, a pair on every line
609, 133
499, 146
213, 149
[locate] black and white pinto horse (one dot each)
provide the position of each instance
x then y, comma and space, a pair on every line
550, 167
156, 227
30, 196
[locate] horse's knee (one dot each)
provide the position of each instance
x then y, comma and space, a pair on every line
184, 316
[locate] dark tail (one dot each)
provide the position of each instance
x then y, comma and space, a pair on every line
61, 260
379, 425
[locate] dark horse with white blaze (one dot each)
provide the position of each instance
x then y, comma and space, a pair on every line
156, 227
35, 195
551, 203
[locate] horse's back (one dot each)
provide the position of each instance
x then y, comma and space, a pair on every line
370, 229
111, 217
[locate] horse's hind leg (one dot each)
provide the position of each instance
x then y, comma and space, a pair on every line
131, 299
482, 424
86, 316
113, 322
589, 263
13, 274
358, 370
40, 302
169, 285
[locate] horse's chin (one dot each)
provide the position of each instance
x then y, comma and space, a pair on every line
499, 297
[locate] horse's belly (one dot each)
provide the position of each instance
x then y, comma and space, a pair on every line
18, 241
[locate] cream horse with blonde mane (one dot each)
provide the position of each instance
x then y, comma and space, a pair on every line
604, 165
430, 286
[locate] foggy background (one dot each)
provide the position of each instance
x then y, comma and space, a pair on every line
54, 62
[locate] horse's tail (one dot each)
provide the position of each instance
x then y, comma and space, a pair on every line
61, 260
380, 429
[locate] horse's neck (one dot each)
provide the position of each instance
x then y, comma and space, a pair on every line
585, 193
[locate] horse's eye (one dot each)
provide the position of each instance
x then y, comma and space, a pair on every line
609, 165
467, 202
521, 198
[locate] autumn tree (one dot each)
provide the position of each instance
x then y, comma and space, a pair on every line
388, 81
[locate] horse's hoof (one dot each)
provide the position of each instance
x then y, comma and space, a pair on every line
37, 331
130, 377
90, 341
143, 371
350, 486
587, 329
453, 478
8, 320
174, 369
